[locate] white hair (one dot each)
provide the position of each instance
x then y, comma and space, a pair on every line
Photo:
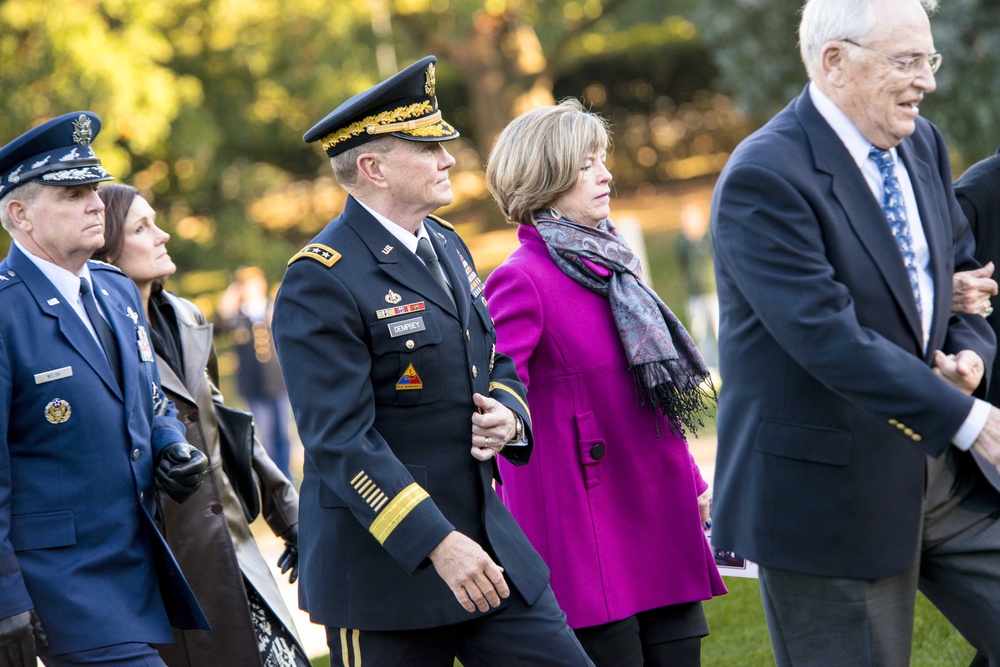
828, 20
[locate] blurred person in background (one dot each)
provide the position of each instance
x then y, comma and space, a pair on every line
209, 533
694, 248
612, 498
245, 311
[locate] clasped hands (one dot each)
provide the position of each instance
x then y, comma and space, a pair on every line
493, 426
971, 291
180, 470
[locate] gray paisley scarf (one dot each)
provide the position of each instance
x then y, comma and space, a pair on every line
669, 372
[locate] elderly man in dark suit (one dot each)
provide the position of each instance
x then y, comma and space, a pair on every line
85, 577
407, 555
847, 413
978, 193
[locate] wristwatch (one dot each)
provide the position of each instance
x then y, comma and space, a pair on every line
518, 429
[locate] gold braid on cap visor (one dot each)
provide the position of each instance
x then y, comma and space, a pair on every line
394, 120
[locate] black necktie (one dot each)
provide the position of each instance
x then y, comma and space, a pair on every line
426, 253
103, 329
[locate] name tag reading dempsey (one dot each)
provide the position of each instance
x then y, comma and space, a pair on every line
56, 374
404, 327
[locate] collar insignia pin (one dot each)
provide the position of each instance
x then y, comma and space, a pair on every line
386, 250
392, 297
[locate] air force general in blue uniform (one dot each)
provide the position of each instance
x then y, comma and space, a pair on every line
79, 553
382, 361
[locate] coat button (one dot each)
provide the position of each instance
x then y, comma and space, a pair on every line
409, 344
475, 371
192, 415
597, 451
468, 336
217, 508
136, 454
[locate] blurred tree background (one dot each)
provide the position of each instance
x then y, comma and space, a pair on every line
204, 102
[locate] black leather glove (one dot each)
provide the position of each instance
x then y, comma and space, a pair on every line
289, 559
180, 470
19, 637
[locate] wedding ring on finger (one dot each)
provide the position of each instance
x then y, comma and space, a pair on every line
486, 441
987, 310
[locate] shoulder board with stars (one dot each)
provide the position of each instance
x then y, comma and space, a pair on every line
441, 221
323, 254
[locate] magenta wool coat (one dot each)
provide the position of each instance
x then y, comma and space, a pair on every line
611, 507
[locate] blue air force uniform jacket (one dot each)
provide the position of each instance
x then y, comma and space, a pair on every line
77, 541
381, 368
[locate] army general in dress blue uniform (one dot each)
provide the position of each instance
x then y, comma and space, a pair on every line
85, 578
407, 555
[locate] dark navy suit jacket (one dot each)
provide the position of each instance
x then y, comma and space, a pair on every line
828, 403
380, 368
77, 540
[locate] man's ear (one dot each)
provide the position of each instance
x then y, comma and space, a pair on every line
18, 212
373, 168
832, 62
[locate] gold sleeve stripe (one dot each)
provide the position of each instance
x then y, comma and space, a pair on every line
376, 499
397, 510
378, 506
357, 477
503, 387
364, 487
372, 492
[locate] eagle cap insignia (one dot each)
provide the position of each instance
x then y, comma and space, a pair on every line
82, 134
430, 81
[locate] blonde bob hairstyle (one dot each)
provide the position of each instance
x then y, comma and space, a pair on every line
538, 156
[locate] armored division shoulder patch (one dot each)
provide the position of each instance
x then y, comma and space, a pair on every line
441, 221
323, 254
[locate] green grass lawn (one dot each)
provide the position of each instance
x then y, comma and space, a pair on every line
739, 636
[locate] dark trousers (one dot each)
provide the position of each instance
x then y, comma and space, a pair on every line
119, 655
517, 635
816, 620
664, 637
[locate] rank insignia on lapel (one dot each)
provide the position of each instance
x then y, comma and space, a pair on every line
57, 411
386, 250
410, 380
393, 298
132, 315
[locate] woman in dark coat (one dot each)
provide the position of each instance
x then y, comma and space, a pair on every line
209, 533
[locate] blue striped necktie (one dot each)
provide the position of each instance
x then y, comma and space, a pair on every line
894, 207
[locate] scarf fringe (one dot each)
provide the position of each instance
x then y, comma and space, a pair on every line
680, 399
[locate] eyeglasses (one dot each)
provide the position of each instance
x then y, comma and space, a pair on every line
908, 65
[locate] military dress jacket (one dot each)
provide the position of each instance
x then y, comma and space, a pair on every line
208, 533
77, 538
381, 368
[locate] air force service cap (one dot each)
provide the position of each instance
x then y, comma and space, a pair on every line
404, 106
56, 152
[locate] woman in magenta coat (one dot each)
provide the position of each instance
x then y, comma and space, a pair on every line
612, 498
